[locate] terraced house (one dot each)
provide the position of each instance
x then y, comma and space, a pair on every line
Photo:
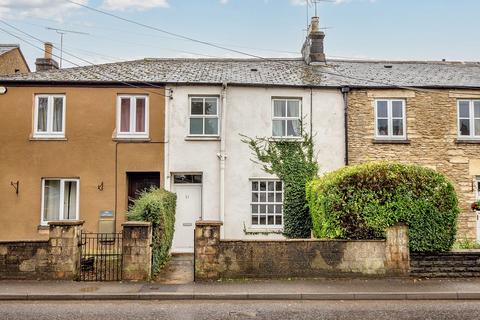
80, 143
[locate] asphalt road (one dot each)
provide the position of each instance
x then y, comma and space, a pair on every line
211, 310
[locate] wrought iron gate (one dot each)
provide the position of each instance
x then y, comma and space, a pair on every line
100, 257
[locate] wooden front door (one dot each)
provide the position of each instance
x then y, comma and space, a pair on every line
140, 181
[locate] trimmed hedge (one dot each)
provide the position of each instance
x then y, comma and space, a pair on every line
158, 207
360, 202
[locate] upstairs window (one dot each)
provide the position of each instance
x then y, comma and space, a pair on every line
132, 117
469, 119
60, 199
49, 118
390, 119
286, 118
204, 116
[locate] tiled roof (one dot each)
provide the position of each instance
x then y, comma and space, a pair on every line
4, 48
269, 72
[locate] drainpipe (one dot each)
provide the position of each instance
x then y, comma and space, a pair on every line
345, 90
168, 98
222, 155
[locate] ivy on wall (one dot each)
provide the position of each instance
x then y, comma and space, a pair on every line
293, 161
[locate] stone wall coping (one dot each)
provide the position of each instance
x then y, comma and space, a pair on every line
453, 252
208, 223
6, 242
301, 240
66, 223
136, 224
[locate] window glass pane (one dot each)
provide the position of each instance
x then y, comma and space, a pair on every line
382, 107
263, 197
293, 108
271, 197
211, 106
397, 127
125, 115
51, 200
278, 208
293, 128
382, 127
255, 220
476, 109
270, 208
254, 197
271, 185
464, 109
278, 197
278, 185
254, 208
263, 186
278, 128
397, 109
211, 126
263, 208
270, 220
464, 127
278, 220
262, 220
197, 106
57, 114
254, 185
196, 126
140, 115
70, 200
477, 127
279, 108
42, 114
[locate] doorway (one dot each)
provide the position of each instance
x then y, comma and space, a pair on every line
140, 181
188, 188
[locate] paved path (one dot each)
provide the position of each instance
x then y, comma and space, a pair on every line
313, 289
179, 270
199, 310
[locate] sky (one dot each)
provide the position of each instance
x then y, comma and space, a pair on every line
359, 29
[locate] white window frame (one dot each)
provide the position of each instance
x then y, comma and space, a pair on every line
266, 226
471, 119
390, 119
203, 116
299, 118
133, 134
62, 196
49, 133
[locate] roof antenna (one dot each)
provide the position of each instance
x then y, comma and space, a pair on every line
62, 32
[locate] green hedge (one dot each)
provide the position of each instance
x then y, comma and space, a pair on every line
360, 202
158, 207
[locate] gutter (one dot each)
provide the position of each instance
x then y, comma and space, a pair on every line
222, 156
345, 90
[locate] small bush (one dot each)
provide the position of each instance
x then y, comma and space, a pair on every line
360, 202
466, 244
158, 207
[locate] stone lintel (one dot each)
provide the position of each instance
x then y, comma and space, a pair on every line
136, 224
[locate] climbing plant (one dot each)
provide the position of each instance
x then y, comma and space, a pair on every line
293, 161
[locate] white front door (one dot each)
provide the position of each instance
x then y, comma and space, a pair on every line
189, 209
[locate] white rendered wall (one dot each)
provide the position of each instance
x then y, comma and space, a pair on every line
249, 112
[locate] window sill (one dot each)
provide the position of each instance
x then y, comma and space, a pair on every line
467, 141
391, 141
199, 138
264, 231
48, 139
43, 227
132, 139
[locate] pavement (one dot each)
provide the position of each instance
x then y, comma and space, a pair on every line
311, 289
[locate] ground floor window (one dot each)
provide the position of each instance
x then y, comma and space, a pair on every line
60, 199
267, 203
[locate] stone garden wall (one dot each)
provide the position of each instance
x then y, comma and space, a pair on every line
56, 258
461, 263
217, 259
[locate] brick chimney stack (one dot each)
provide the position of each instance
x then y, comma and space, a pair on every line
313, 50
46, 63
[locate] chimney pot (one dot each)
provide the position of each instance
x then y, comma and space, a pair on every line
48, 50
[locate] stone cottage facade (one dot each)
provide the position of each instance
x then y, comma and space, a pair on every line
437, 129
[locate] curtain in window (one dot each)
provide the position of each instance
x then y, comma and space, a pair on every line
42, 114
57, 114
51, 200
140, 115
125, 115
70, 200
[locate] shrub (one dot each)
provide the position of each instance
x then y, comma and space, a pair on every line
360, 202
158, 207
